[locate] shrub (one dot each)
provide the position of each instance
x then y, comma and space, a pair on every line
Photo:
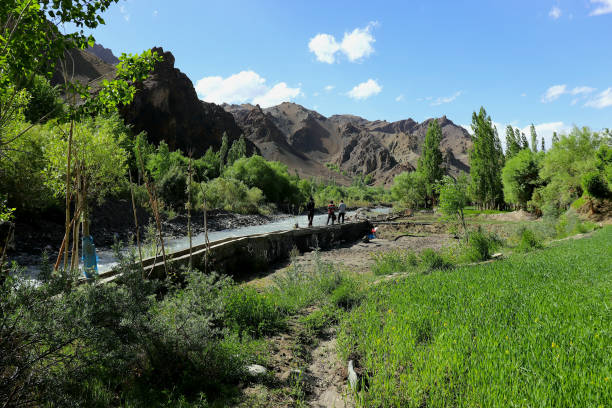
247, 310
528, 241
480, 245
319, 320
172, 187
594, 184
348, 294
393, 261
431, 260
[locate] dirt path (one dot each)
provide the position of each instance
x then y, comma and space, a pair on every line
329, 377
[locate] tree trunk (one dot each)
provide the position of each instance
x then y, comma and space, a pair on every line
67, 224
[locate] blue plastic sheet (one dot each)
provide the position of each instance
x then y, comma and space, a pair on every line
89, 257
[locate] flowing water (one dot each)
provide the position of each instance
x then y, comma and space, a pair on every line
107, 259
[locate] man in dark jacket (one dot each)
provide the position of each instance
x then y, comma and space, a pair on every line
310, 207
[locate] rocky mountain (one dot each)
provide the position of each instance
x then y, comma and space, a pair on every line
354, 144
165, 106
105, 54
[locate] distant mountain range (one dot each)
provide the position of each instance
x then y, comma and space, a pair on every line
167, 108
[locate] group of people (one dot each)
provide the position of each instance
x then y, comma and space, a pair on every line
331, 212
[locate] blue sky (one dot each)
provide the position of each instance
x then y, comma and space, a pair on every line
547, 61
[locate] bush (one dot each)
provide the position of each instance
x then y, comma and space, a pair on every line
319, 320
387, 263
480, 245
594, 184
528, 241
172, 187
230, 195
430, 260
348, 294
247, 310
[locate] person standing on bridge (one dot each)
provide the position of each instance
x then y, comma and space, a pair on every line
310, 207
341, 211
331, 209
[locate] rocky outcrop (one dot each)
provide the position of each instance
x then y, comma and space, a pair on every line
105, 54
167, 108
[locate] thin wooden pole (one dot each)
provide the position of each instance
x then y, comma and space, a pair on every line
68, 197
136, 221
63, 247
189, 216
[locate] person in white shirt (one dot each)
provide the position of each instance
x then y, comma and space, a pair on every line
341, 211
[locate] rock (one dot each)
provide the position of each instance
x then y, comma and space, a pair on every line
256, 370
353, 378
167, 107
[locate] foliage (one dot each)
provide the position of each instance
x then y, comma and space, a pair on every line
534, 138
172, 187
513, 145
45, 102
386, 263
594, 185
237, 151
527, 241
562, 168
486, 161
479, 246
410, 188
250, 311
430, 162
531, 330
230, 195
520, 177
454, 197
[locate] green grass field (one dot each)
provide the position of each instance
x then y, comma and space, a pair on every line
534, 330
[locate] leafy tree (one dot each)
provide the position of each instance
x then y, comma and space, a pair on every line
512, 143
520, 178
486, 161
98, 161
534, 138
237, 151
555, 138
543, 147
563, 166
604, 160
594, 185
454, 197
45, 102
429, 164
410, 189
223, 152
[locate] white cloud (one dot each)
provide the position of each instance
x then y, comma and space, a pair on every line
324, 46
444, 99
399, 98
245, 86
155, 13
356, 45
328, 88
523, 94
124, 13
602, 100
555, 12
315, 94
582, 90
553, 93
544, 130
365, 89
604, 8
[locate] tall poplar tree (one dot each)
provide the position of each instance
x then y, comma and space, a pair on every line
534, 138
486, 162
430, 162
512, 144
555, 138
543, 148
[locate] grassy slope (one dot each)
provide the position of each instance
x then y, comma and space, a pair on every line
533, 330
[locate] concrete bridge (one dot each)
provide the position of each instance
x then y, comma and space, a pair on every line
242, 257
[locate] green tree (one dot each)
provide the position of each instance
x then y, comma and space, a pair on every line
98, 164
486, 161
223, 152
534, 138
563, 166
543, 147
512, 144
430, 162
454, 197
520, 177
237, 151
555, 138
44, 102
410, 188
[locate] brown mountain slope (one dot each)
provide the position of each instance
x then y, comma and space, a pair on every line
354, 144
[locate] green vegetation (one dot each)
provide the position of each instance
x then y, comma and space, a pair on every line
530, 330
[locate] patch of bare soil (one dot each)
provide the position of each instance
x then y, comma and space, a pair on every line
519, 215
329, 386
597, 211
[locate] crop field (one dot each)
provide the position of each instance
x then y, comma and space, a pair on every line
534, 330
